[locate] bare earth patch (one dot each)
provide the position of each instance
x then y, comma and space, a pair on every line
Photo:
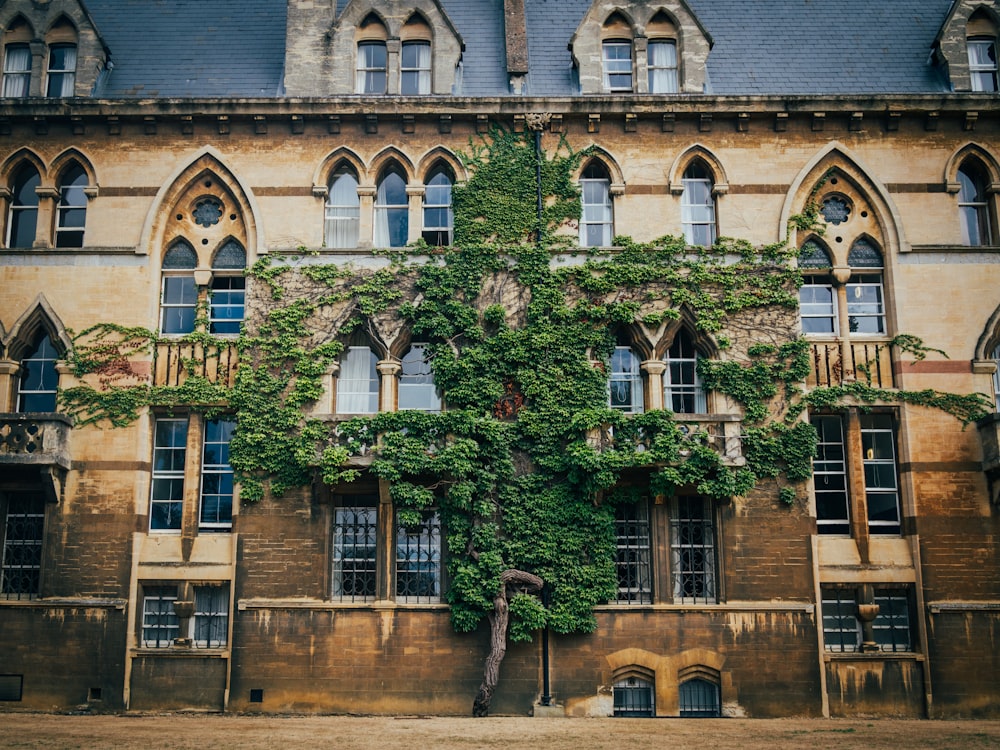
197, 732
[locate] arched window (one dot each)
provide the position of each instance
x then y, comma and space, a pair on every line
700, 698
625, 381
72, 207
682, 391
865, 294
698, 205
392, 224
36, 388
343, 210
227, 300
22, 220
973, 207
61, 73
415, 68
357, 382
16, 70
438, 217
179, 295
817, 296
416, 382
634, 697
596, 220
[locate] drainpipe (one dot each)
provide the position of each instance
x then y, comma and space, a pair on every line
546, 699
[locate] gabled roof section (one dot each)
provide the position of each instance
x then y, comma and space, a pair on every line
951, 43
192, 48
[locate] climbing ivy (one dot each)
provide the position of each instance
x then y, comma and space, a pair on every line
528, 462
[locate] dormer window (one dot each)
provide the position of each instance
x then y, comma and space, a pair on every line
983, 64
415, 69
662, 66
372, 62
62, 70
16, 70
617, 57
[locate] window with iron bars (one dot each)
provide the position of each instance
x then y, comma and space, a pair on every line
692, 551
842, 628
208, 628
418, 561
634, 697
23, 530
355, 542
699, 699
633, 553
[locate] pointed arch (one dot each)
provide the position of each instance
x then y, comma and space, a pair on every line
39, 319
631, 658
835, 155
13, 162
17, 18
978, 153
865, 252
62, 20
333, 161
696, 153
626, 20
441, 154
64, 159
378, 163
227, 254
206, 161
989, 339
814, 253
610, 163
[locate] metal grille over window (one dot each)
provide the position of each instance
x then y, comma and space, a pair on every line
699, 699
841, 630
892, 625
160, 625
39, 379
418, 561
211, 616
354, 554
633, 553
692, 551
24, 526
633, 697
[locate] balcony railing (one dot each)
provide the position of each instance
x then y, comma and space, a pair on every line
836, 363
35, 439
175, 361
721, 432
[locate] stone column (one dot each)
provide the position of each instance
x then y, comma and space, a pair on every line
47, 197
654, 369
366, 225
388, 369
415, 220
840, 279
392, 48
8, 376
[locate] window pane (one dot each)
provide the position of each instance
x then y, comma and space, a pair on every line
633, 553
354, 553
217, 475
211, 616
38, 379
416, 382
160, 625
692, 550
357, 382
16, 70
418, 561
23, 534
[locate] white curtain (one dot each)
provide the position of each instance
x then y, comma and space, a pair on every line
69, 76
343, 212
391, 212
17, 71
662, 65
423, 68
357, 384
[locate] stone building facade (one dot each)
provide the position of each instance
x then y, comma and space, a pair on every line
141, 171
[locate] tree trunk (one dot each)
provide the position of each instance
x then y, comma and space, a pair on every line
510, 582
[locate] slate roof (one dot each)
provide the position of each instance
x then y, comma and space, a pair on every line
235, 48
192, 48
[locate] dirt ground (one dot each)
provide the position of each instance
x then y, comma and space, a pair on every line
198, 732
